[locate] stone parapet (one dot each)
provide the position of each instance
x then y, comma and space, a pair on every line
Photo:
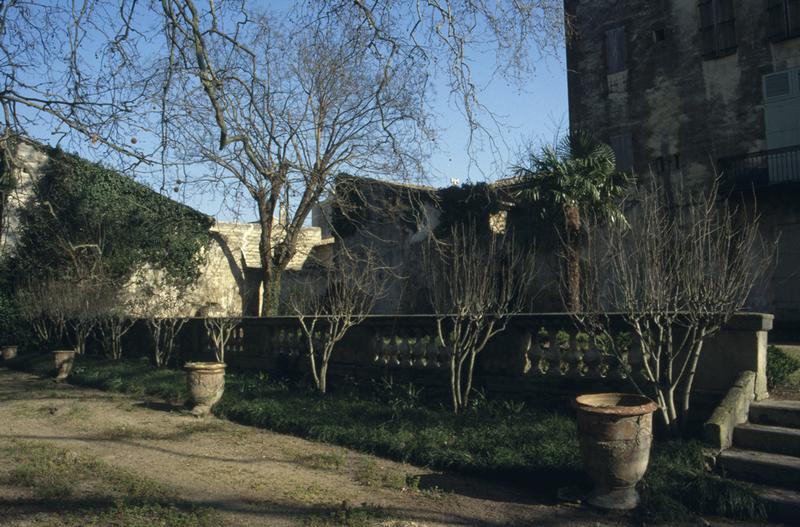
732, 411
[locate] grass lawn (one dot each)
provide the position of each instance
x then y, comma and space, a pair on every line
783, 367
97, 494
534, 446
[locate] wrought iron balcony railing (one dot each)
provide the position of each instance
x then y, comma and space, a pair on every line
761, 169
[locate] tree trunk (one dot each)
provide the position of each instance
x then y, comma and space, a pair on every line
323, 376
268, 271
454, 384
573, 228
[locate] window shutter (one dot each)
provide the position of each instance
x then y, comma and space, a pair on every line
717, 27
726, 26
776, 25
793, 17
622, 145
783, 19
777, 85
616, 50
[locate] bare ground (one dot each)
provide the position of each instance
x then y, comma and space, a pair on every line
245, 476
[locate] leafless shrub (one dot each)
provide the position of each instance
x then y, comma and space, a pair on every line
328, 306
220, 330
676, 275
115, 321
35, 300
162, 305
475, 284
164, 332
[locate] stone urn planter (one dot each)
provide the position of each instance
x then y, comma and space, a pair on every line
206, 382
63, 361
615, 432
9, 352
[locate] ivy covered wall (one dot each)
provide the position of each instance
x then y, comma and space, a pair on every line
83, 213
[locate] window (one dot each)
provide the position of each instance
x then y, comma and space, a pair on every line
616, 50
784, 19
782, 109
622, 145
717, 28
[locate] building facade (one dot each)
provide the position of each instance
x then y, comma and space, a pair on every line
693, 90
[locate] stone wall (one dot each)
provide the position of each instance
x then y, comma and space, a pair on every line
30, 160
678, 107
394, 220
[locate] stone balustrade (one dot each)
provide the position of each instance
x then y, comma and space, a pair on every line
536, 352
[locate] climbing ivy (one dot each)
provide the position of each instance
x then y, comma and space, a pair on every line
103, 213
468, 202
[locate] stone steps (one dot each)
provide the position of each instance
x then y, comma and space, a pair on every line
761, 467
783, 505
764, 438
766, 453
776, 413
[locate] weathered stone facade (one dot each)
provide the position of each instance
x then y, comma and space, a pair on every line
393, 220
685, 90
31, 159
229, 282
683, 111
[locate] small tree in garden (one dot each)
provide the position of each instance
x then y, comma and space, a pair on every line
116, 321
63, 309
164, 331
475, 284
34, 300
114, 325
329, 306
575, 178
676, 275
220, 330
223, 317
85, 304
161, 303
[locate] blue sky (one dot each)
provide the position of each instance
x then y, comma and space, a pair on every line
530, 112
533, 114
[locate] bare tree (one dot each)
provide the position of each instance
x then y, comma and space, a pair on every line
676, 275
38, 305
85, 305
476, 283
115, 320
450, 37
331, 304
164, 331
220, 329
77, 67
289, 107
161, 303
279, 109
114, 326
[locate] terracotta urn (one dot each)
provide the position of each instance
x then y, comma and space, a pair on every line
615, 432
206, 383
9, 352
63, 361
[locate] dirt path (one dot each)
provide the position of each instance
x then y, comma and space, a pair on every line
247, 476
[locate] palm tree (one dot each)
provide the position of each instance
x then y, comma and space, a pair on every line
575, 177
